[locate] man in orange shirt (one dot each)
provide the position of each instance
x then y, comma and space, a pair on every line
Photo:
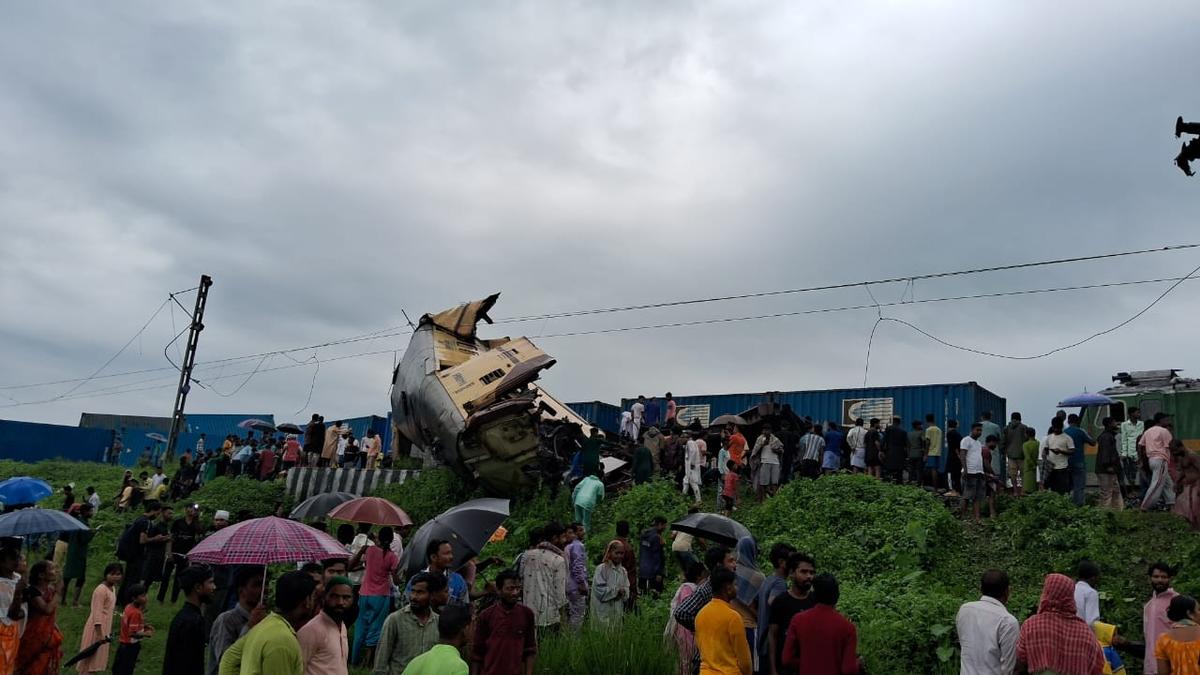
720, 635
737, 445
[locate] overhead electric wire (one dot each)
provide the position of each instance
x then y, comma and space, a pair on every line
831, 287
396, 331
846, 308
118, 389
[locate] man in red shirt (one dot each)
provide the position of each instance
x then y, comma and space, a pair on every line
821, 641
505, 634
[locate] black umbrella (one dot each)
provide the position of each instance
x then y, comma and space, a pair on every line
87, 652
714, 527
289, 428
467, 527
319, 506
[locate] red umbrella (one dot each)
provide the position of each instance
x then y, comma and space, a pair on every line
265, 541
373, 510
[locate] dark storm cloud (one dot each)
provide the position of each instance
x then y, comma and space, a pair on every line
333, 165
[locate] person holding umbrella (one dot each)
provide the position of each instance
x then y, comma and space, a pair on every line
375, 596
272, 646
99, 622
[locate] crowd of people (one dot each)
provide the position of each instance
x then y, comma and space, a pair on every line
266, 456
1068, 635
1137, 464
727, 616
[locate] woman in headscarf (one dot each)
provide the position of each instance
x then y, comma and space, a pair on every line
749, 580
41, 643
610, 587
1178, 650
684, 639
1055, 639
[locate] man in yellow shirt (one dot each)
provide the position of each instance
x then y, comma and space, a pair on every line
720, 637
933, 451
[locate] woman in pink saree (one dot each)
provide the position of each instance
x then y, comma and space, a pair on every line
685, 641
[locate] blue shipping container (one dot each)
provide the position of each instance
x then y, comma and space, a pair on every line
32, 442
604, 415
964, 402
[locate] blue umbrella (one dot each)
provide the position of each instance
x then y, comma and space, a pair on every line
24, 490
1085, 400
25, 522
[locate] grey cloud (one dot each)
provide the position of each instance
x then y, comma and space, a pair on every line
332, 165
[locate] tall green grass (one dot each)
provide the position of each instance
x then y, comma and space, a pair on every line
637, 648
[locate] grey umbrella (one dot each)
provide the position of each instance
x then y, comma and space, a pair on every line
318, 506
467, 527
30, 521
714, 527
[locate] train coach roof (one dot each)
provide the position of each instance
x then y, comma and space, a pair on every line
1142, 381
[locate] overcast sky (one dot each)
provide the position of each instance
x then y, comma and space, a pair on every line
332, 164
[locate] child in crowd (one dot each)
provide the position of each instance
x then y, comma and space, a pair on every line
133, 631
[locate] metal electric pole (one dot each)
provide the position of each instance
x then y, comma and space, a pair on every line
189, 360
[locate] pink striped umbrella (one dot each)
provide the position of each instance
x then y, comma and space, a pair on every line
265, 541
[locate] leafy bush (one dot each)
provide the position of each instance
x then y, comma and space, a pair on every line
903, 627
427, 494
857, 527
238, 496
1044, 532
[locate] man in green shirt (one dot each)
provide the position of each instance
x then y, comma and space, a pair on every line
1033, 451
445, 658
271, 647
413, 629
